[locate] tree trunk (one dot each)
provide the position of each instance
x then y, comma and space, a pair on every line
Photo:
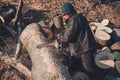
45, 63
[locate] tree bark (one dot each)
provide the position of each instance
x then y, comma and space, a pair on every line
45, 63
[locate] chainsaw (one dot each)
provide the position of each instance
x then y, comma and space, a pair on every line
57, 43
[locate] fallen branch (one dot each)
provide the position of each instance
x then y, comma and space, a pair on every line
18, 42
18, 13
19, 66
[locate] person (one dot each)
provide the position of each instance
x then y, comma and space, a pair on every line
78, 36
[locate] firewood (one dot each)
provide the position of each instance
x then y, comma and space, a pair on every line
116, 46
105, 21
104, 59
102, 37
101, 26
105, 29
110, 63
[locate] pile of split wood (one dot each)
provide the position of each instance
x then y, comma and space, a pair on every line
108, 39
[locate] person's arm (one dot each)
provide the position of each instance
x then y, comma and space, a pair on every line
70, 30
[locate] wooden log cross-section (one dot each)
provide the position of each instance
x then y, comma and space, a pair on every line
102, 37
45, 63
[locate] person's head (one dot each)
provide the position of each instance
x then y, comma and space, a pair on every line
67, 10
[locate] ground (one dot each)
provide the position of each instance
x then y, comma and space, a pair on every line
45, 10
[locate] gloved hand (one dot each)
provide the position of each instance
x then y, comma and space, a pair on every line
59, 40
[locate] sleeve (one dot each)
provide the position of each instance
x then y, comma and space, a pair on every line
70, 30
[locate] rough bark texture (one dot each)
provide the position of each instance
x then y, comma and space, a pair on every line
45, 63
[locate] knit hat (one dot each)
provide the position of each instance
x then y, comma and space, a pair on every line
68, 8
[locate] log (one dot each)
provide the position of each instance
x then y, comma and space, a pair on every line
101, 26
116, 46
105, 22
17, 65
45, 63
102, 37
104, 59
110, 63
105, 29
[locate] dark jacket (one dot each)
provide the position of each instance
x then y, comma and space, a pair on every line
78, 35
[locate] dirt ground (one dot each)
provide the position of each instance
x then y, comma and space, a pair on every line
45, 10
